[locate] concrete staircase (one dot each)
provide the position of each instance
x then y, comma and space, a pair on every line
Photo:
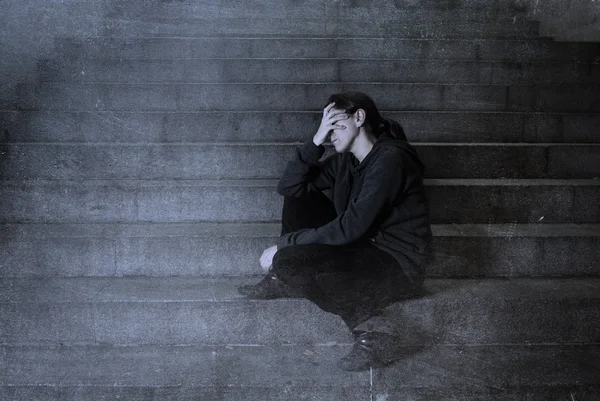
138, 189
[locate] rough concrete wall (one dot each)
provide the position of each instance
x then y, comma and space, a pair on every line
28, 29
565, 20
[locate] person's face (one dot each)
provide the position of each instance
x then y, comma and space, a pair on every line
343, 138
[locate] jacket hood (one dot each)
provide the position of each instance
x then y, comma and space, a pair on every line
388, 140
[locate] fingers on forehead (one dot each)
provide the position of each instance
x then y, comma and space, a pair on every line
340, 116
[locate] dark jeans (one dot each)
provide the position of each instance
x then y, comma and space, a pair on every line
353, 281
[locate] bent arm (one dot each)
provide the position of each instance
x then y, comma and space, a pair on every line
381, 186
304, 173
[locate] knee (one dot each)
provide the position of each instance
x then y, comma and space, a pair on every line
283, 253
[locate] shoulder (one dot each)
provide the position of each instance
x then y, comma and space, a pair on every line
389, 155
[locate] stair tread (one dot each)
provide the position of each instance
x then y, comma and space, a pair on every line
128, 39
533, 182
224, 289
322, 82
234, 126
104, 61
201, 143
406, 17
266, 160
301, 112
448, 368
535, 49
131, 200
139, 310
305, 96
142, 230
312, 69
317, 27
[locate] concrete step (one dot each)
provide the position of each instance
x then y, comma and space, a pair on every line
191, 127
320, 27
297, 373
532, 50
205, 249
316, 70
318, 7
254, 160
179, 201
347, 9
301, 97
188, 310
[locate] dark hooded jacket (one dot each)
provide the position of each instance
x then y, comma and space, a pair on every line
381, 200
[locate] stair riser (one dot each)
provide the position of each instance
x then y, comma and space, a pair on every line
262, 7
81, 202
176, 371
115, 127
206, 393
218, 255
268, 161
372, 48
296, 373
262, 27
443, 321
301, 97
288, 393
316, 70
307, 9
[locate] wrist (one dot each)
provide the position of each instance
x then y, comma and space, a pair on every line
319, 139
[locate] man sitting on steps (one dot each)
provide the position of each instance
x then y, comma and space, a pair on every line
366, 249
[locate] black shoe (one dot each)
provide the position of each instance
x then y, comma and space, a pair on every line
371, 349
269, 287
359, 358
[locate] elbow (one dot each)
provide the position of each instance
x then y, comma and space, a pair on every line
283, 190
291, 191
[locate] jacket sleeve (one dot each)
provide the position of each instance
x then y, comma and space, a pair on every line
304, 173
381, 186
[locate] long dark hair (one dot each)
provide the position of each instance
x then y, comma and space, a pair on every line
351, 101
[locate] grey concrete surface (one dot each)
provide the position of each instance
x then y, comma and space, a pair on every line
571, 20
181, 310
566, 127
219, 9
301, 97
316, 70
513, 256
221, 373
318, 27
191, 71
308, 9
498, 377
58, 256
200, 249
191, 127
28, 29
568, 98
531, 50
191, 366
186, 393
566, 164
451, 201
513, 200
267, 161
